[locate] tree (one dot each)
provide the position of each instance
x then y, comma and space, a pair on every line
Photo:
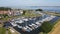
24, 12
39, 10
5, 8
46, 27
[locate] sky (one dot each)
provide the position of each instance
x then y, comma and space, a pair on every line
29, 2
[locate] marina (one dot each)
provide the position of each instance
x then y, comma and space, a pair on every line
28, 25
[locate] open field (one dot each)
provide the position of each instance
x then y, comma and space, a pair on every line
56, 28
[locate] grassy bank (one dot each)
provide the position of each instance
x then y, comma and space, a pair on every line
53, 13
47, 27
2, 30
56, 28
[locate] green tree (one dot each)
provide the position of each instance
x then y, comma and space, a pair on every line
46, 27
39, 10
24, 12
5, 8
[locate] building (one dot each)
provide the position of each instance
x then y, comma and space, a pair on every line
3, 12
16, 12
13, 12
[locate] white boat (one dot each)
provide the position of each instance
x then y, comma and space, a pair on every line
14, 24
38, 24
35, 26
31, 26
21, 21
24, 28
28, 28
19, 26
16, 21
30, 18
12, 20
25, 19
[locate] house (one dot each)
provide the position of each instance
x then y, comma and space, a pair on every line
15, 12
3, 12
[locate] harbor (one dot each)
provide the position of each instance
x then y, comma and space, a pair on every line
29, 25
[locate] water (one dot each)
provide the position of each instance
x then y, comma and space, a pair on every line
54, 19
36, 31
48, 8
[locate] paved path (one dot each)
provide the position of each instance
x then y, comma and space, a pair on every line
56, 29
15, 32
6, 32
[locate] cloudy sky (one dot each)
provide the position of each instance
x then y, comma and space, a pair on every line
29, 2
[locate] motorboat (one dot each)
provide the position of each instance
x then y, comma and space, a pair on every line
25, 19
28, 28
14, 24
21, 21
19, 26
30, 18
24, 29
31, 26
35, 26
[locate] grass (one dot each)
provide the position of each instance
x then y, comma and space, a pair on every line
57, 23
53, 13
31, 14
9, 31
2, 30
54, 26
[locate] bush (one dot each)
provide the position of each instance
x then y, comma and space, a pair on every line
24, 12
4, 15
46, 27
39, 10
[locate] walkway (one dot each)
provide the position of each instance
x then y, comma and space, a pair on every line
56, 29
6, 32
13, 31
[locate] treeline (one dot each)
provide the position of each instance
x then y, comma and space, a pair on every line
5, 8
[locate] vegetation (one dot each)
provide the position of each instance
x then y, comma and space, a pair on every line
3, 16
9, 31
2, 30
30, 14
55, 29
24, 12
5, 8
53, 13
39, 10
46, 27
